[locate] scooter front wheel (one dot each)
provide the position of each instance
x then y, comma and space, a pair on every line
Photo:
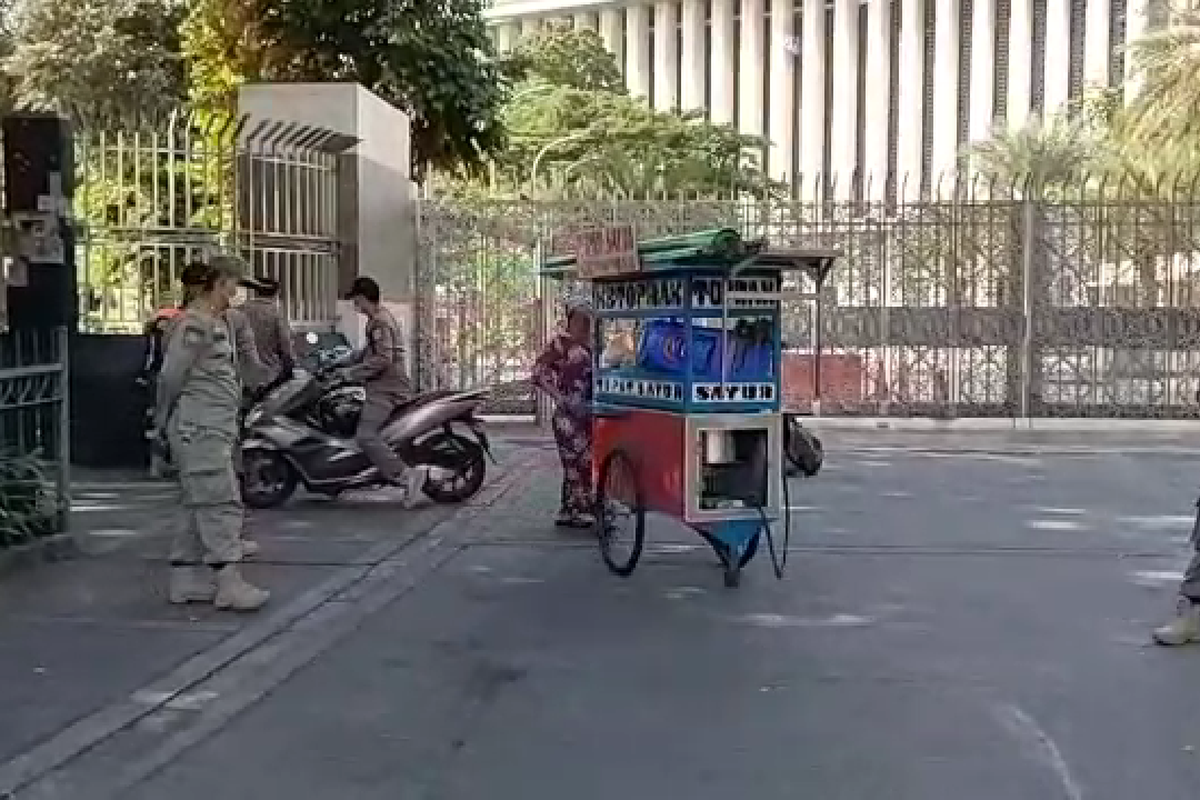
268, 480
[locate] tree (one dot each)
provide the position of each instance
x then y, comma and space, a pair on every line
576, 59
96, 57
432, 58
7, 23
574, 121
1166, 107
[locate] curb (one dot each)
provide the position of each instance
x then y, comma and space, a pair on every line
343, 590
57, 547
1002, 425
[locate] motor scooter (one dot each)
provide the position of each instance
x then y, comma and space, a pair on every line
301, 432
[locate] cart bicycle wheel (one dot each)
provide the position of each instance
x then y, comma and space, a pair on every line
620, 514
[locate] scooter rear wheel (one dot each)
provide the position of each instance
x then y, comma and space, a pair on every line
457, 485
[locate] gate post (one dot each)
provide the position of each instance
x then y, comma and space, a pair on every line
1032, 303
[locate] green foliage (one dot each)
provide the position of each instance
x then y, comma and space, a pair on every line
27, 506
223, 46
565, 57
432, 58
96, 57
573, 118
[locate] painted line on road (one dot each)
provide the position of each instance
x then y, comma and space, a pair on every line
1040, 746
87, 733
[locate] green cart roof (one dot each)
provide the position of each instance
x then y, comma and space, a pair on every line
718, 249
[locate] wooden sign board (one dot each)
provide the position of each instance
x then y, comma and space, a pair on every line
604, 252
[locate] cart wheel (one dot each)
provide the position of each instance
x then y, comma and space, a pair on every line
620, 514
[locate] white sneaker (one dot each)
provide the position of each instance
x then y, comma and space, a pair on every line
1184, 629
413, 481
192, 585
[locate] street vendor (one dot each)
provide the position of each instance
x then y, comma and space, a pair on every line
564, 373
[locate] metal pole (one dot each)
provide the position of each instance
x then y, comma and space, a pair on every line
537, 160
63, 488
1027, 301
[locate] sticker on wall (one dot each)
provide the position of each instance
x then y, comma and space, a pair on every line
733, 393
639, 388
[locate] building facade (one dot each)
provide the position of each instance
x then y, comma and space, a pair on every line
861, 90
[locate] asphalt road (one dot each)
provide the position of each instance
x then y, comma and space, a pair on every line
951, 627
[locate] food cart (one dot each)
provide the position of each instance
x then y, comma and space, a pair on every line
687, 386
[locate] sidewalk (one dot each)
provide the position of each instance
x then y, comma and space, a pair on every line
81, 639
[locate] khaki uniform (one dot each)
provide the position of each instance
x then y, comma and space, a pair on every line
199, 398
272, 336
381, 367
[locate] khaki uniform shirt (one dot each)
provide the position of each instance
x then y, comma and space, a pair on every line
199, 383
272, 335
381, 365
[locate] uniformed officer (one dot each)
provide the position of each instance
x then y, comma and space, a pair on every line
272, 333
199, 399
381, 368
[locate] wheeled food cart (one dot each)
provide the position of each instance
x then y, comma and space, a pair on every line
687, 386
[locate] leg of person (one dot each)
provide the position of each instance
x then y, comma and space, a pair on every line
562, 440
1185, 627
250, 548
583, 498
191, 580
376, 411
575, 450
211, 493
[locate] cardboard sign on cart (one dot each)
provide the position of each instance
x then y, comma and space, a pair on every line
604, 252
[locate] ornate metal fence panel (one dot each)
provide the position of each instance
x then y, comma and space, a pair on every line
980, 303
34, 435
152, 196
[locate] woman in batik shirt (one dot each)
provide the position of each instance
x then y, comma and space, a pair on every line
564, 372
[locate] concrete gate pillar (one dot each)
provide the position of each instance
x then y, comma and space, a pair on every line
376, 198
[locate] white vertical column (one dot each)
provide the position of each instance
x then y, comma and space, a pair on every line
983, 70
1097, 30
530, 26
945, 91
911, 102
722, 67
1136, 22
812, 100
637, 50
877, 86
843, 138
1020, 63
781, 157
1056, 77
666, 56
750, 71
691, 75
506, 36
613, 33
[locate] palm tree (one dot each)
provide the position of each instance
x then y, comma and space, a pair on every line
1167, 77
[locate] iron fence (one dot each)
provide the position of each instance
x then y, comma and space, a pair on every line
34, 438
983, 299
153, 195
